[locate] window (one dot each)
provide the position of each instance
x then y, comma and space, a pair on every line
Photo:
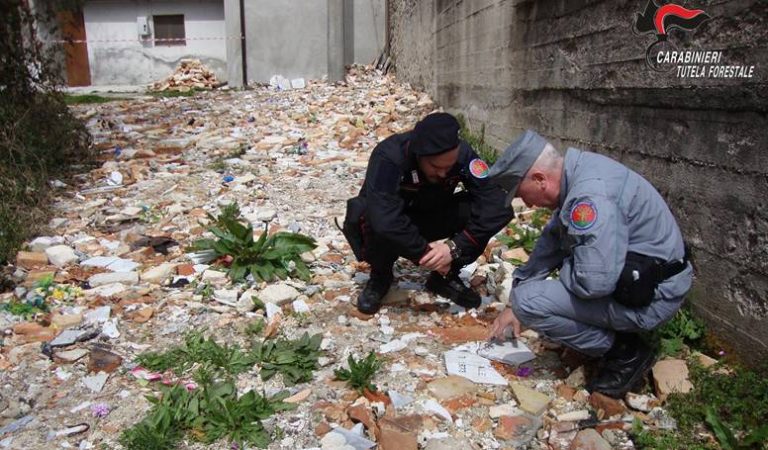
169, 30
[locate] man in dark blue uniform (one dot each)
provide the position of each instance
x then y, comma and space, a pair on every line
408, 203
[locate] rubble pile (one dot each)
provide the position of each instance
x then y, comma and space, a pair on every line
191, 74
115, 279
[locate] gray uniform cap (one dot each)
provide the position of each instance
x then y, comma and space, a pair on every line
510, 169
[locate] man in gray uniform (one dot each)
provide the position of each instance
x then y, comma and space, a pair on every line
622, 261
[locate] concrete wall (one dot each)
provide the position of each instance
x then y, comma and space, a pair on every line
574, 71
134, 62
369, 29
290, 38
286, 38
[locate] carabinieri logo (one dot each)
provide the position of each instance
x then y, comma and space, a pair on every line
659, 20
663, 55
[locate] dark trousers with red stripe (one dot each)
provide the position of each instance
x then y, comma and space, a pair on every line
433, 225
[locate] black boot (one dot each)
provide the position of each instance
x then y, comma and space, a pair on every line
623, 366
452, 288
375, 289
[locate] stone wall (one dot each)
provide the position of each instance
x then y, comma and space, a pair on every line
575, 71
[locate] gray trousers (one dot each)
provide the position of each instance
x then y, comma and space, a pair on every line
587, 325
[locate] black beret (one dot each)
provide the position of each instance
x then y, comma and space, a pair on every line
436, 133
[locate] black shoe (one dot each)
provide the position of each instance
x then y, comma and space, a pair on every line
625, 364
452, 288
369, 301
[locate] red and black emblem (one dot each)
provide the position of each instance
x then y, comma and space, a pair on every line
660, 19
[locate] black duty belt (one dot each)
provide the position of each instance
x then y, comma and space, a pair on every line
670, 269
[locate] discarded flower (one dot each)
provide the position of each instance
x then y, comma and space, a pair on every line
100, 410
524, 372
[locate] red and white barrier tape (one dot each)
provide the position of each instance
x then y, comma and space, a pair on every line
102, 41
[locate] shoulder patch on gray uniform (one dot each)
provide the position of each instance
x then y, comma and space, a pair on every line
583, 215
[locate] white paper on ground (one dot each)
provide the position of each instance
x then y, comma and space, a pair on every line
394, 345
354, 439
510, 352
436, 408
112, 263
473, 367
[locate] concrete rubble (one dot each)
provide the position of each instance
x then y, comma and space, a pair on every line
190, 74
290, 158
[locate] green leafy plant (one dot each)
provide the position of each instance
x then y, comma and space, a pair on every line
237, 419
44, 292
296, 359
40, 138
198, 350
258, 303
203, 289
176, 93
520, 236
85, 99
218, 165
667, 439
539, 218
726, 437
360, 372
525, 235
476, 140
268, 258
737, 397
681, 329
209, 413
255, 328
146, 436
44, 283
20, 308
213, 411
302, 318
149, 214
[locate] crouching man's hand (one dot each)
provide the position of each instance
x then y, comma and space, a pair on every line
505, 319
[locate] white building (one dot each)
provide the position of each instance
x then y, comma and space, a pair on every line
136, 42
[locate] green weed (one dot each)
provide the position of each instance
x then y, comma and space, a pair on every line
682, 329
255, 328
218, 166
296, 359
198, 350
150, 214
176, 94
209, 413
727, 438
732, 405
84, 99
667, 439
21, 308
268, 258
525, 235
213, 411
476, 140
40, 139
360, 373
202, 289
